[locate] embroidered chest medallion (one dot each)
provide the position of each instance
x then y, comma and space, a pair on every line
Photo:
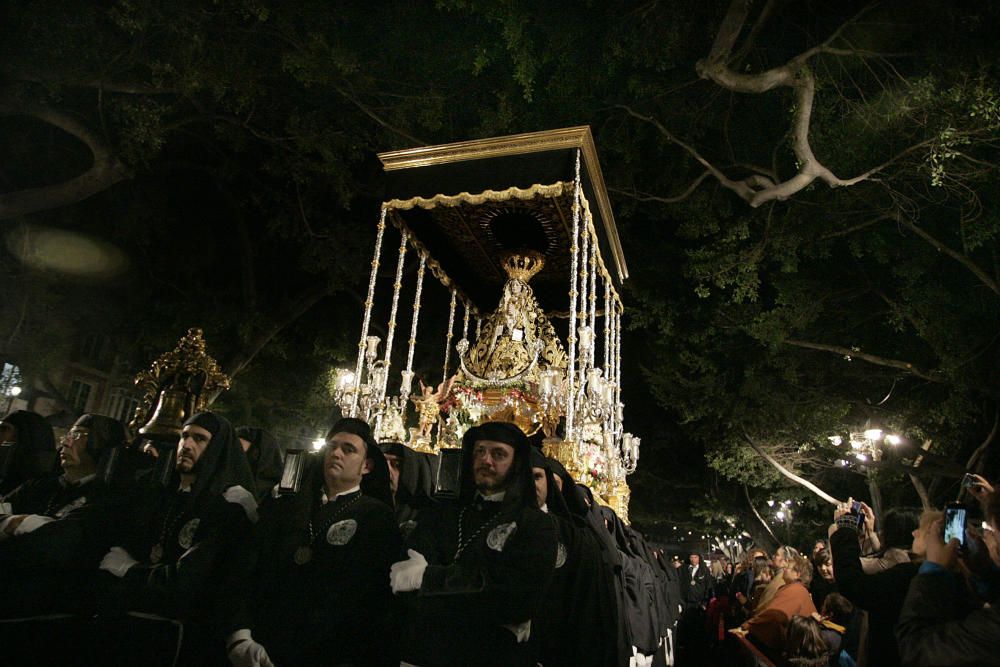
186, 537
79, 502
302, 555
341, 532
499, 535
560, 555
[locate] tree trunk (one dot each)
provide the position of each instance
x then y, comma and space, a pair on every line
761, 533
876, 495
925, 499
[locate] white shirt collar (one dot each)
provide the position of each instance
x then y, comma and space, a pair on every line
324, 499
492, 497
545, 508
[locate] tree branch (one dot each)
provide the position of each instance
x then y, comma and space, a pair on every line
870, 358
794, 74
957, 256
746, 492
378, 119
106, 170
788, 473
742, 188
642, 196
925, 499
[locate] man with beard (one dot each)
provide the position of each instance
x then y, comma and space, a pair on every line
478, 569
577, 623
317, 584
167, 565
28, 449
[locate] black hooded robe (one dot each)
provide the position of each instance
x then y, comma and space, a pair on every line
317, 589
44, 568
183, 541
577, 623
415, 487
34, 455
264, 457
494, 576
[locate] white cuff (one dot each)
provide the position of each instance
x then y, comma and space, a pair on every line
32, 522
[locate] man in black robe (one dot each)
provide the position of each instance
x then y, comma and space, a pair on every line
264, 456
411, 482
167, 565
48, 542
29, 449
477, 569
603, 529
577, 622
318, 589
52, 496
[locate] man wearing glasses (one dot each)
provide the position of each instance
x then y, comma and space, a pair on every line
50, 530
51, 497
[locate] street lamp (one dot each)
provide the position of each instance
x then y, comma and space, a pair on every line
867, 444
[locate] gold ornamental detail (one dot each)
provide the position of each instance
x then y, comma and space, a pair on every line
179, 383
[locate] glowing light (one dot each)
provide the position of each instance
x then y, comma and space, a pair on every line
893, 439
857, 444
15, 391
318, 444
770, 503
836, 440
780, 515
861, 457
874, 434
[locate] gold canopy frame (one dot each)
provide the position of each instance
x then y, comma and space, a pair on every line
455, 206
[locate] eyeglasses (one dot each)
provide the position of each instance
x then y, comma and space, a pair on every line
76, 434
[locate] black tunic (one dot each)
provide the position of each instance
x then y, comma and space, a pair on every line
45, 570
181, 550
324, 600
507, 556
578, 622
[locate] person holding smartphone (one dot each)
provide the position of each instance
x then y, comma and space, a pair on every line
935, 626
882, 593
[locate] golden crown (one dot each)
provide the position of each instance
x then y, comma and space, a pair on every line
523, 264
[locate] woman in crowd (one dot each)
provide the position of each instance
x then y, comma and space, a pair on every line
767, 628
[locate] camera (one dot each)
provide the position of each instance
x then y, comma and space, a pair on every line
969, 481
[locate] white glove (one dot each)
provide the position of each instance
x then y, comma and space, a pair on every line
522, 631
407, 575
245, 652
117, 562
243, 498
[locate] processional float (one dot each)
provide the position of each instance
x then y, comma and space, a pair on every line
519, 231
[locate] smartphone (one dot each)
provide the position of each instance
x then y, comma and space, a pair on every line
857, 512
969, 481
954, 523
